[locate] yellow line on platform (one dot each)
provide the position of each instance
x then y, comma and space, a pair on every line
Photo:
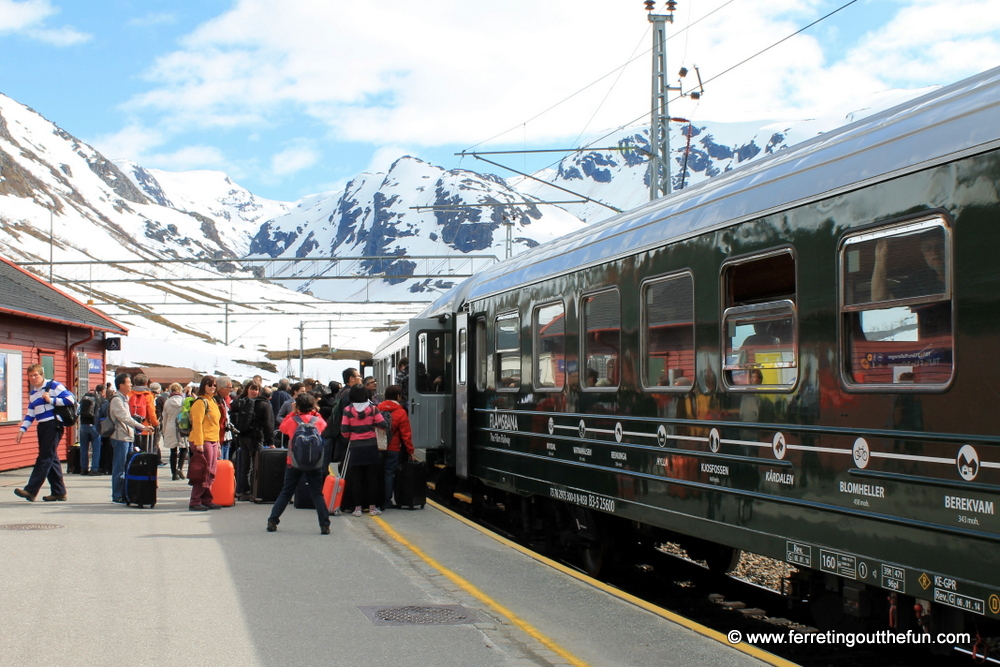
748, 649
481, 596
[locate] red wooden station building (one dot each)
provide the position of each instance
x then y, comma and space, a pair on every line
41, 325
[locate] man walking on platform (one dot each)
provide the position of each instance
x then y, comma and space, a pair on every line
45, 396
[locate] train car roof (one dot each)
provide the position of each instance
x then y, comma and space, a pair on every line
963, 118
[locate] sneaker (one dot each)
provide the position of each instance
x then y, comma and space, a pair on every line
323, 530
213, 506
198, 508
337, 512
53, 497
374, 511
356, 512
272, 525
21, 493
244, 497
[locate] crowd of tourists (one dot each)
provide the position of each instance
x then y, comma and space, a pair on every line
222, 419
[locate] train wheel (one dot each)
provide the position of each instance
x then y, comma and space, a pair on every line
721, 559
593, 557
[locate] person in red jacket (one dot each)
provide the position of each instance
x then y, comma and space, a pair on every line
401, 440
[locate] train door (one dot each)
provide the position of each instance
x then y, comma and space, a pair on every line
462, 395
432, 382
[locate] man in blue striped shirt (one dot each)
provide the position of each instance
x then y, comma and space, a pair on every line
41, 408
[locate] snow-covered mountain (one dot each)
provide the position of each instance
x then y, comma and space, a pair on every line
416, 209
116, 244
212, 194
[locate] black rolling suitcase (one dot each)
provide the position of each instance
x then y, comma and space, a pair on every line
409, 487
140, 474
269, 474
303, 496
73, 460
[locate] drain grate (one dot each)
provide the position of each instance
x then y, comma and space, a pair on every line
444, 614
30, 526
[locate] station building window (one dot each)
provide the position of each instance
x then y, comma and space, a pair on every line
507, 336
601, 341
549, 330
668, 333
896, 306
760, 323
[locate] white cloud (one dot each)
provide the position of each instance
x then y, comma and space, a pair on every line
294, 159
28, 18
384, 156
133, 142
189, 157
445, 71
16, 16
152, 19
139, 144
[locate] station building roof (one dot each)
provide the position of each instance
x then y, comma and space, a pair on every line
24, 294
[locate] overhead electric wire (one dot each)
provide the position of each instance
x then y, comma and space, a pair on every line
730, 69
596, 81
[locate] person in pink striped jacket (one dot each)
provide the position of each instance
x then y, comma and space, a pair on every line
360, 420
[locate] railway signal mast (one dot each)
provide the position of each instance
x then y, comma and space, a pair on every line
659, 135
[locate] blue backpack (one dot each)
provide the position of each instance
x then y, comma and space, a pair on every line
306, 447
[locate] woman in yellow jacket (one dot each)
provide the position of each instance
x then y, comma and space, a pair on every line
204, 441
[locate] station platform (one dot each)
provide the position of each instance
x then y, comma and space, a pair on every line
88, 582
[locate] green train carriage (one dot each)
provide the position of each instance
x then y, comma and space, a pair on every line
796, 358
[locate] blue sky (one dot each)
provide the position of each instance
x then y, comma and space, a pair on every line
295, 97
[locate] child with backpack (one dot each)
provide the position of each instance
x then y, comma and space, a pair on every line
306, 450
360, 420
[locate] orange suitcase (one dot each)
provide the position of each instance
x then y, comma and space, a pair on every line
333, 492
224, 486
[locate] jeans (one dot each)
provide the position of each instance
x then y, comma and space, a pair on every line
120, 449
47, 465
315, 480
88, 435
391, 463
224, 450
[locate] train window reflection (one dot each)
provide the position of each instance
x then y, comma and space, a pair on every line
549, 327
508, 345
668, 345
760, 345
602, 340
482, 357
434, 365
896, 303
463, 354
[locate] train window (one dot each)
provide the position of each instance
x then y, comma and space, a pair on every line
602, 340
759, 323
668, 327
434, 362
463, 354
549, 327
508, 345
483, 365
896, 306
